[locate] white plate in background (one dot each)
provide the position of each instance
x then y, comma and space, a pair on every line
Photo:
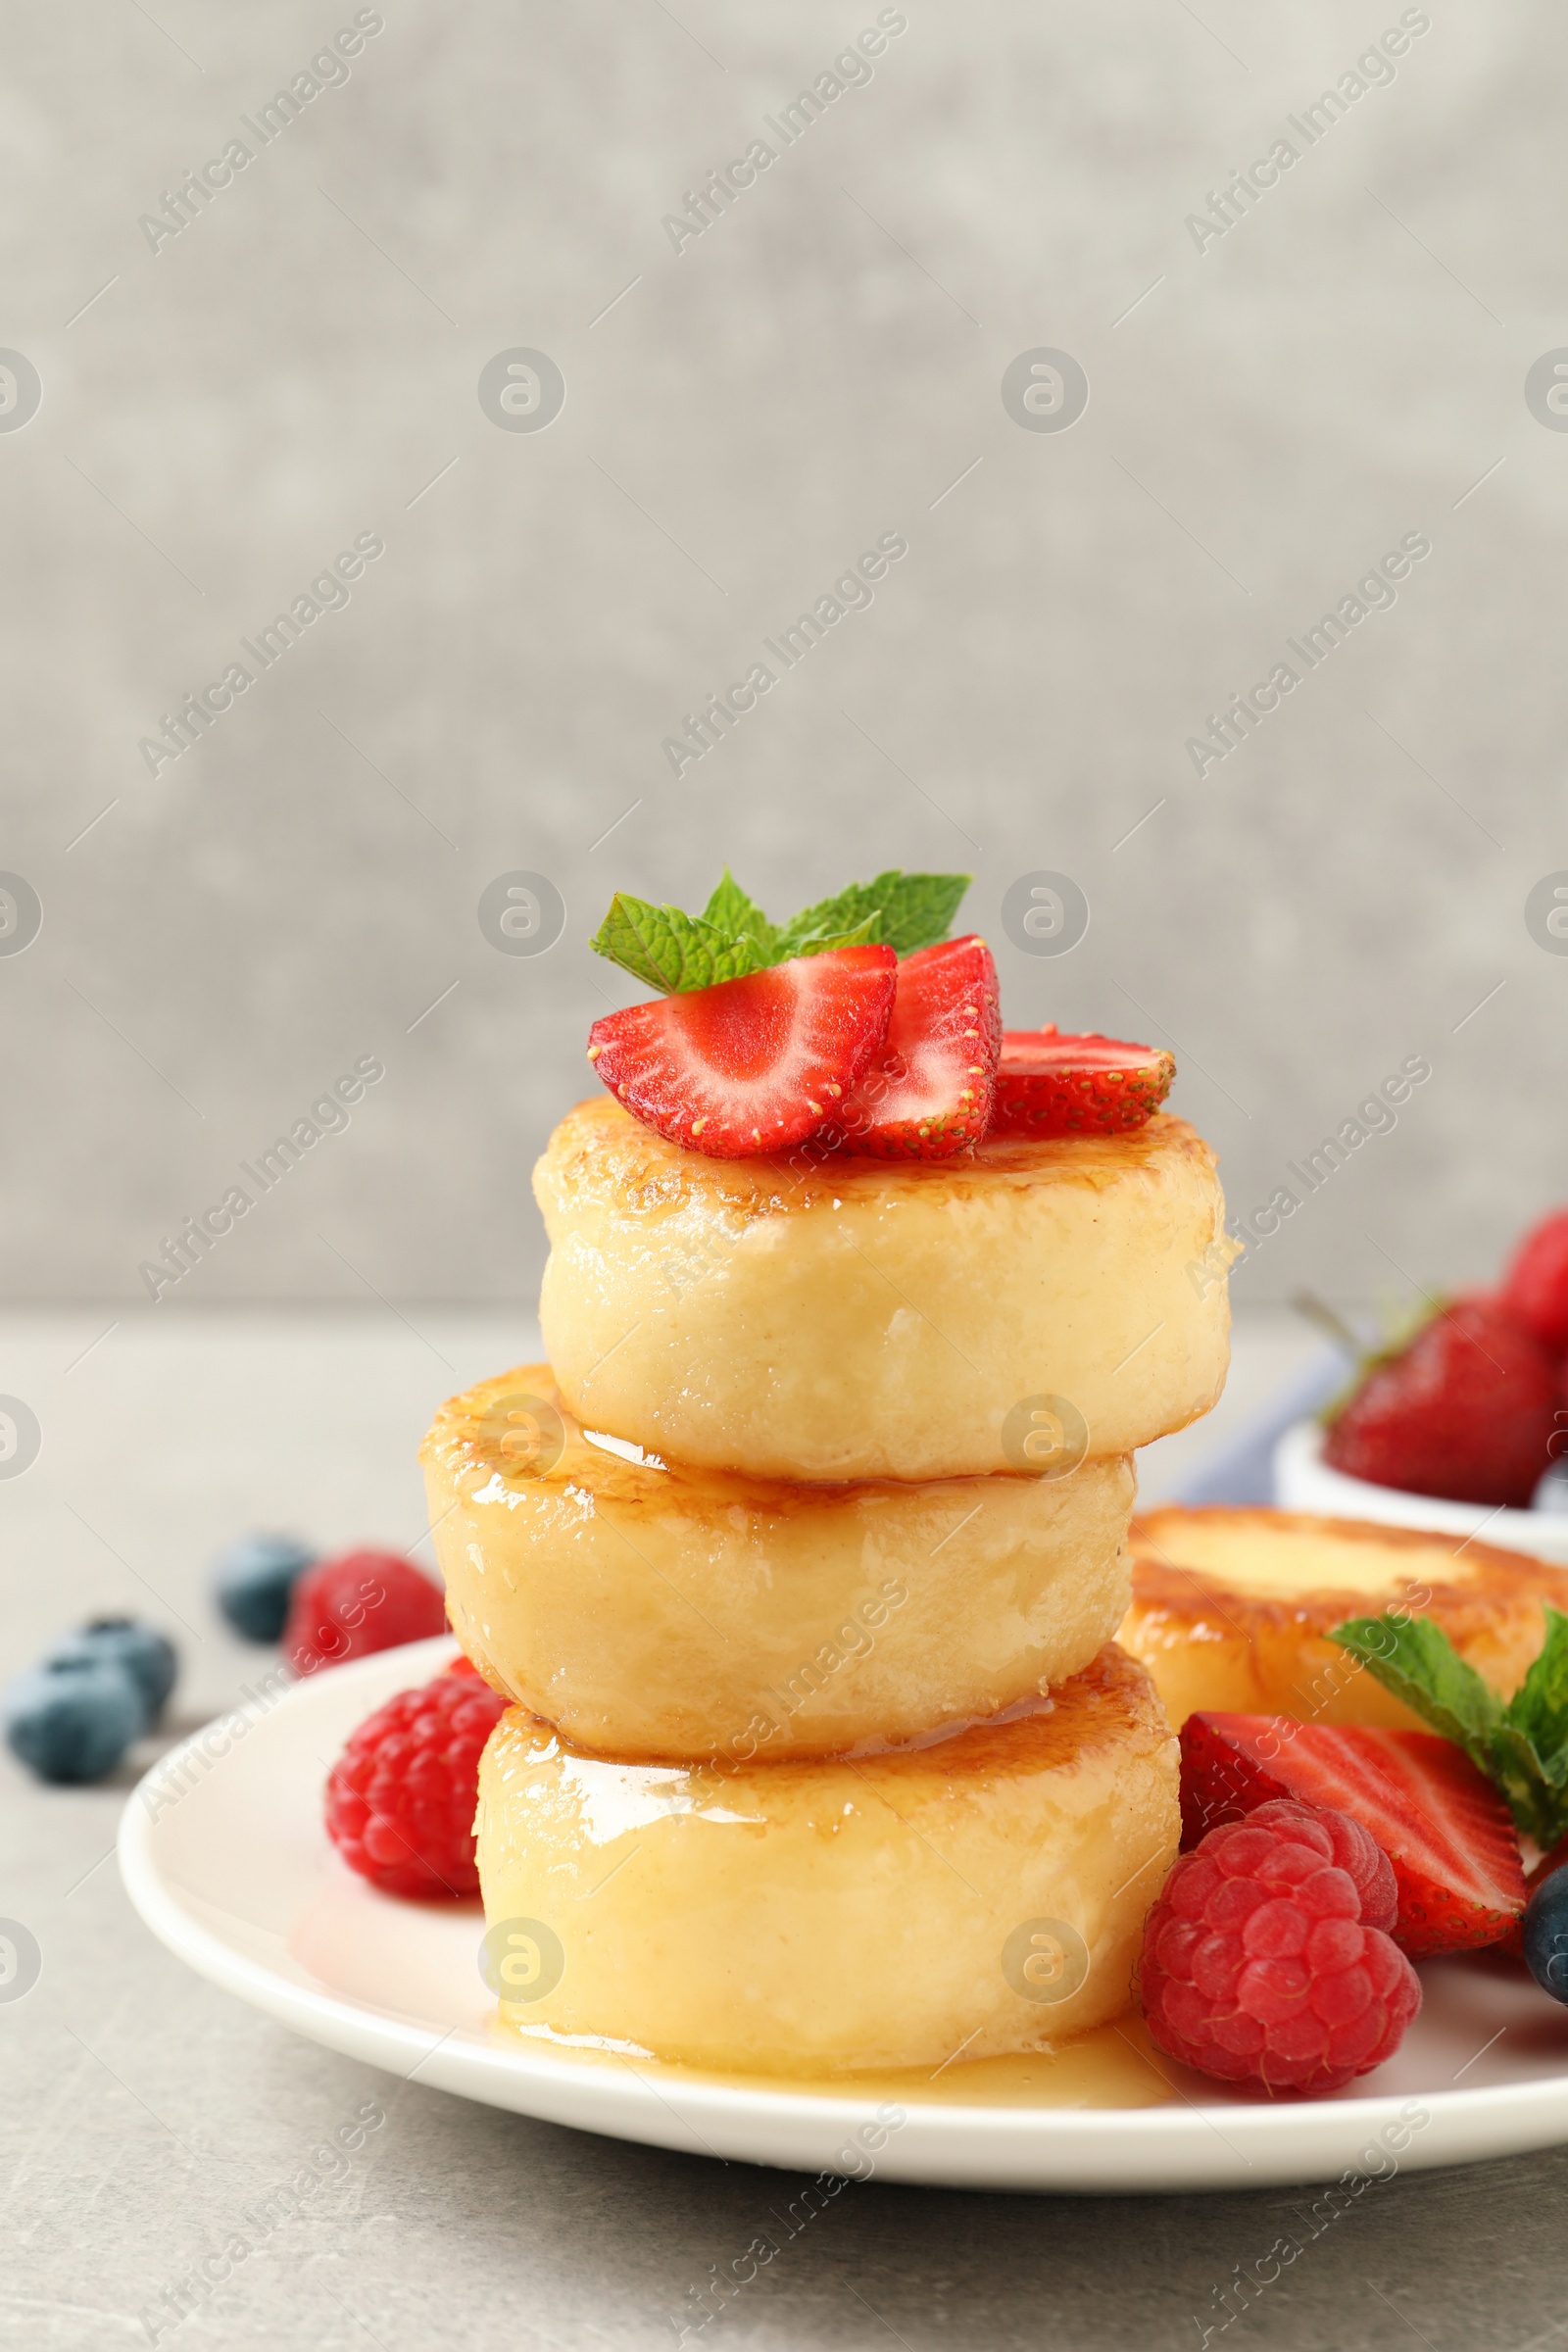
224, 1855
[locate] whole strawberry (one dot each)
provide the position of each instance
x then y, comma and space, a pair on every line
1466, 1411
1536, 1284
1266, 1960
400, 1797
359, 1602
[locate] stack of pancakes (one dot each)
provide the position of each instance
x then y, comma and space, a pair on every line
802, 1561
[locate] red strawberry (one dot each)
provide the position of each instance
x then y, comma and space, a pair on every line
927, 1093
1048, 1084
1447, 1833
753, 1064
1536, 1284
1467, 1411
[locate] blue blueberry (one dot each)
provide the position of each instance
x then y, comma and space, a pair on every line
1545, 1935
72, 1719
146, 1656
253, 1580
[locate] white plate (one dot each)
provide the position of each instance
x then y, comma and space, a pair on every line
1305, 1482
225, 1856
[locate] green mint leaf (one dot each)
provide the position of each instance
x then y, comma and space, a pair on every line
739, 916
824, 943
912, 910
1538, 1708
1534, 1796
1414, 1659
671, 951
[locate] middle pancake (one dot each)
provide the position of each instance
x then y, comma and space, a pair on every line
649, 1609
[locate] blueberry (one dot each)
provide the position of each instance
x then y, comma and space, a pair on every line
253, 1580
147, 1656
72, 1719
1545, 1935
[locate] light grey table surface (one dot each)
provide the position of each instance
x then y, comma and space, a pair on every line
143, 2110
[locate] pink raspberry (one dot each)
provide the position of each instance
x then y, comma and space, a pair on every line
1267, 1961
400, 1797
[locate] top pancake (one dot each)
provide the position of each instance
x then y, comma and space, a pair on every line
1012, 1308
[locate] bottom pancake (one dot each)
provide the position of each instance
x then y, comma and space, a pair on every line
985, 1893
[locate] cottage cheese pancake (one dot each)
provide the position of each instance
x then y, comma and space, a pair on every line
986, 1894
1007, 1309
652, 1609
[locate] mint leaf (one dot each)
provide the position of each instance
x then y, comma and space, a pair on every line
739, 916
673, 952
1538, 1708
912, 910
669, 951
824, 943
1538, 1805
1522, 1747
1414, 1659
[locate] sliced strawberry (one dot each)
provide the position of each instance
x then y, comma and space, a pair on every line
1445, 1830
753, 1064
927, 1093
1048, 1084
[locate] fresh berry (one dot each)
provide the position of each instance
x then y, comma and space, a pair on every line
147, 1656
1445, 1830
1536, 1284
1261, 1966
927, 1092
1048, 1084
360, 1602
754, 1064
400, 1797
1466, 1411
252, 1581
71, 1719
1544, 1933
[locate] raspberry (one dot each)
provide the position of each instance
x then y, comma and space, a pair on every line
361, 1602
400, 1797
1265, 1959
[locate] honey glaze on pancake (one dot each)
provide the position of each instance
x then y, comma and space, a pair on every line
1095, 1712
599, 1153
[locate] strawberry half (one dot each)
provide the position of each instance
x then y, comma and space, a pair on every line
1447, 1833
927, 1093
749, 1065
1048, 1084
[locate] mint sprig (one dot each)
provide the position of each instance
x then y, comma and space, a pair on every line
1520, 1746
673, 952
908, 910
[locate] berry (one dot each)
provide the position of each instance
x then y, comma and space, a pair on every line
71, 1719
400, 1797
1544, 1933
1048, 1084
753, 1064
1260, 1964
927, 1092
1536, 1284
252, 1581
362, 1601
1466, 1411
1444, 1829
148, 1658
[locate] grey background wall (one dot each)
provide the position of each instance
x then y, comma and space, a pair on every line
300, 365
